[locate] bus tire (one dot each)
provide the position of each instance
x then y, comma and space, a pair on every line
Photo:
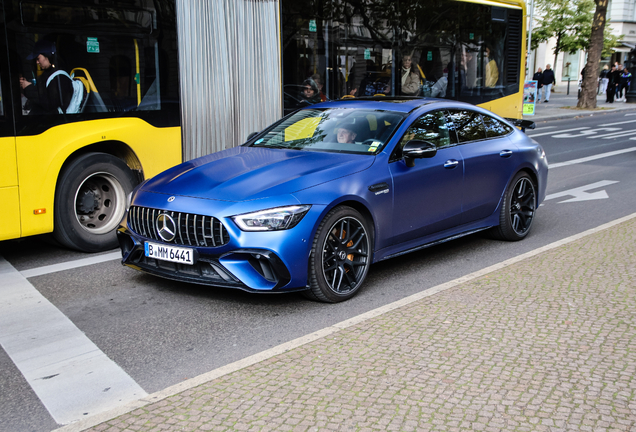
90, 202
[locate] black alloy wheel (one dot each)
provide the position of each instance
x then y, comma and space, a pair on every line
518, 209
340, 256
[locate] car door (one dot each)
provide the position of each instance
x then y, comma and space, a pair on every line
488, 157
427, 196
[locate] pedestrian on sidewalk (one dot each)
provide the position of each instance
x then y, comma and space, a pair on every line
538, 77
624, 83
548, 81
613, 78
603, 78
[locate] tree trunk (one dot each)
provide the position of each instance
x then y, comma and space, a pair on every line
590, 80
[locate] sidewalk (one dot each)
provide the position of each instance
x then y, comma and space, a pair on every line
563, 106
541, 342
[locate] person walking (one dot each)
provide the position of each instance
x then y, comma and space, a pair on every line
613, 78
538, 77
548, 81
604, 79
625, 81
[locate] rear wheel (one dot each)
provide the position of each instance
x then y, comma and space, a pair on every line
90, 202
517, 210
340, 256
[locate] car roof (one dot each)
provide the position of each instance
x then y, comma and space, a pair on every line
400, 104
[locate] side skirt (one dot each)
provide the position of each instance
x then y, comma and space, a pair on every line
434, 243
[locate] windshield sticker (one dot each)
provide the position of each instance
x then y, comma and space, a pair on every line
372, 148
258, 141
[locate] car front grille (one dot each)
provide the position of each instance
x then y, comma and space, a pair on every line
190, 229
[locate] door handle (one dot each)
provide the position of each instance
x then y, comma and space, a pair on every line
451, 163
505, 153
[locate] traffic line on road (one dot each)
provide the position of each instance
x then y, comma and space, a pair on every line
69, 265
619, 123
591, 158
615, 134
288, 346
72, 377
562, 131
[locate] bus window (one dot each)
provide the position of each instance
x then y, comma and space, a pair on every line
467, 50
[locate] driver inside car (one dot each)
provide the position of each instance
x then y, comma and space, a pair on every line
346, 133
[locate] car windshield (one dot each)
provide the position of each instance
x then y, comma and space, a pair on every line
340, 130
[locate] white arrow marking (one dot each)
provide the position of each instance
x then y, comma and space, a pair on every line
549, 133
581, 194
586, 132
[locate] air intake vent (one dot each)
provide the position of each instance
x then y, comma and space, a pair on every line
190, 229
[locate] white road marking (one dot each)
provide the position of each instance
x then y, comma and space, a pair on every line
591, 158
620, 123
615, 134
549, 133
581, 194
585, 133
72, 377
39, 271
303, 340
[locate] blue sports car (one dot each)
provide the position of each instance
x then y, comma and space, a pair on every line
312, 201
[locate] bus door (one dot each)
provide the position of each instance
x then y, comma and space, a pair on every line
9, 193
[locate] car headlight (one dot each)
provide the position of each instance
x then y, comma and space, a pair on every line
279, 218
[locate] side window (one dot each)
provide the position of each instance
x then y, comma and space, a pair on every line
430, 127
495, 128
468, 125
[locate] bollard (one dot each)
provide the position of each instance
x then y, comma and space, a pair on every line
568, 92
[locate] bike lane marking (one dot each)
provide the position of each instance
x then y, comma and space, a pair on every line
70, 375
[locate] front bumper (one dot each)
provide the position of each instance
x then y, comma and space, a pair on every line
274, 261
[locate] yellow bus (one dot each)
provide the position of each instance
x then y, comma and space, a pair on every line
69, 170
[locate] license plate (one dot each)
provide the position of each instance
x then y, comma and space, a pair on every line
169, 253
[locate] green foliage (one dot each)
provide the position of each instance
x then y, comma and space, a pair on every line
568, 21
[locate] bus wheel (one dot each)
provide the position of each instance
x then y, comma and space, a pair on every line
90, 202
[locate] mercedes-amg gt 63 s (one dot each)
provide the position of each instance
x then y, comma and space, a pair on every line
312, 201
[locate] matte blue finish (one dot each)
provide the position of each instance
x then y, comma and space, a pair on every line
457, 191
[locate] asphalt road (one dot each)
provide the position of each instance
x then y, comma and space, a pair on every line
162, 332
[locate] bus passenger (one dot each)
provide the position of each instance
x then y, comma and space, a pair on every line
309, 93
409, 77
47, 97
492, 71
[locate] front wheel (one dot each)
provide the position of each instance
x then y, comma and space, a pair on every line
90, 202
517, 210
340, 256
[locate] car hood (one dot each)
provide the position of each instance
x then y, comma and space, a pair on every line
248, 173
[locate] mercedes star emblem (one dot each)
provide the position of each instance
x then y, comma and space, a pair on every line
166, 227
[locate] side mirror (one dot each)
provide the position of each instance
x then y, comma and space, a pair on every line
250, 136
416, 149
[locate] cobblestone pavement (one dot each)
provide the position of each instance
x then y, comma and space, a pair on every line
547, 344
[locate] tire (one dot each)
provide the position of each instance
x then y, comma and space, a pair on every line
340, 256
90, 202
517, 210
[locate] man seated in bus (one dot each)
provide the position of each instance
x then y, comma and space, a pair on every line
47, 96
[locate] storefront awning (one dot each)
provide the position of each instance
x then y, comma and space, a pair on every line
624, 47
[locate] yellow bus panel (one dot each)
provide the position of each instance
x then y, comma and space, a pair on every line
10, 211
9, 172
41, 158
